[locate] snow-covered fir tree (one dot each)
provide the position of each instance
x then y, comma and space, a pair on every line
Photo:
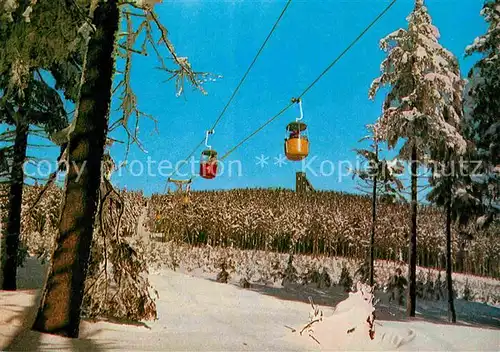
423, 106
482, 109
425, 99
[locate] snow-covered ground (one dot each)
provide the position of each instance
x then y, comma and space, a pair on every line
195, 313
198, 314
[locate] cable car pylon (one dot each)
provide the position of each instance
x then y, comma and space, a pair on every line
183, 187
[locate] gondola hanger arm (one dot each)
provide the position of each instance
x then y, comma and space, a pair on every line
208, 132
299, 102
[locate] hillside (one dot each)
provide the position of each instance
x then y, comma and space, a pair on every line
328, 223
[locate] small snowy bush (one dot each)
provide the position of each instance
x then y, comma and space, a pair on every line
353, 320
244, 283
223, 275
397, 287
345, 279
324, 279
468, 294
290, 275
363, 272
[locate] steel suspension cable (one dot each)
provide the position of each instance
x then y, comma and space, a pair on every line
239, 84
253, 62
314, 82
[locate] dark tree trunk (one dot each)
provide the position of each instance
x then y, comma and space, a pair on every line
449, 282
374, 224
412, 251
13, 227
60, 307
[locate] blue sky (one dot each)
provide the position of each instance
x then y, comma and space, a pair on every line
222, 37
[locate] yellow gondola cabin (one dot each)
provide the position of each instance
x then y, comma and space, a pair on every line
296, 142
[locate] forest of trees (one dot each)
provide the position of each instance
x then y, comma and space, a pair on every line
331, 224
439, 117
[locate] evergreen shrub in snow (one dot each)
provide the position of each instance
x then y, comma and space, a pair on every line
324, 279
117, 285
345, 279
397, 287
261, 267
439, 288
311, 274
223, 275
352, 321
362, 274
468, 295
290, 275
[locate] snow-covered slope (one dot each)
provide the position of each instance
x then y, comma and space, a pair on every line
197, 314
351, 327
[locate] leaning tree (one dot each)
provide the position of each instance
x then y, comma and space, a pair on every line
419, 107
60, 308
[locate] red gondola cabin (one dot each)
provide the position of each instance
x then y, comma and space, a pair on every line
208, 164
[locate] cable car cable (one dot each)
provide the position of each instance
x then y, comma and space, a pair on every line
184, 161
240, 82
256, 131
251, 65
314, 82
348, 47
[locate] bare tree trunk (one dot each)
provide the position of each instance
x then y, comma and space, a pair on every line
449, 282
60, 307
374, 224
412, 250
12, 230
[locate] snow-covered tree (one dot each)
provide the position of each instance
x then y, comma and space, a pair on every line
422, 107
380, 177
482, 109
26, 100
108, 52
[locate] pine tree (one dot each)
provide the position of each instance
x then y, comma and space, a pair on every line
468, 295
381, 177
419, 108
482, 106
452, 192
325, 280
40, 105
290, 275
26, 99
222, 275
345, 279
396, 286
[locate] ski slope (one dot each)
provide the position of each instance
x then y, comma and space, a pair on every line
197, 314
